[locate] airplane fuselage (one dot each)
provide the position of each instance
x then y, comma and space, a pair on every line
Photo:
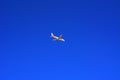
56, 38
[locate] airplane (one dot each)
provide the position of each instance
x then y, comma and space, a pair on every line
57, 38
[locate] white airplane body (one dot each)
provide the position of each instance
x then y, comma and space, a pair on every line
57, 38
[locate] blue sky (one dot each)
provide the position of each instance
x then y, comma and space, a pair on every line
90, 27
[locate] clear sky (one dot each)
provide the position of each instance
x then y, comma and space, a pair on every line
91, 29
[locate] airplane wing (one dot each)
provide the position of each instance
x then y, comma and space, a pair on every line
60, 36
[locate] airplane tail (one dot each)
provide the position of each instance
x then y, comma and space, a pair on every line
52, 34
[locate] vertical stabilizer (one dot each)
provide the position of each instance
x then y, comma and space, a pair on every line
52, 34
